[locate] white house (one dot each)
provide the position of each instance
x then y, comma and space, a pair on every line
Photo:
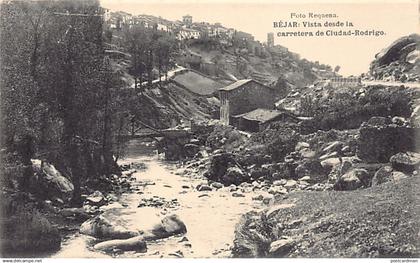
188, 33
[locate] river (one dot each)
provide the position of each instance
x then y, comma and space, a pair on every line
210, 216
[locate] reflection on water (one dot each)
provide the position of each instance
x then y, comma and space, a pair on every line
210, 220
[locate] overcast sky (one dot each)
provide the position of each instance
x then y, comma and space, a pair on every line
396, 18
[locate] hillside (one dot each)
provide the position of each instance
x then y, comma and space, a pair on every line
399, 61
197, 69
274, 66
375, 222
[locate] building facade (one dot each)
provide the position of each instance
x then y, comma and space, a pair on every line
244, 96
187, 20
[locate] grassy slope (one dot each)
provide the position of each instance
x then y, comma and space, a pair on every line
375, 222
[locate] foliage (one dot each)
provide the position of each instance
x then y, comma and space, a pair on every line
347, 110
225, 137
65, 100
279, 139
149, 49
25, 230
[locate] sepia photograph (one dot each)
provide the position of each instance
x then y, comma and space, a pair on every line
171, 129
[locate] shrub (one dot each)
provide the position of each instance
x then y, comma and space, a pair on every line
346, 110
225, 137
26, 231
279, 139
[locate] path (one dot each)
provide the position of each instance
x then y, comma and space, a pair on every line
170, 74
392, 83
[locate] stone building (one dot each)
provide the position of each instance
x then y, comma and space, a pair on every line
187, 20
244, 96
259, 119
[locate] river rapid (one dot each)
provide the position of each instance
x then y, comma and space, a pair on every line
210, 217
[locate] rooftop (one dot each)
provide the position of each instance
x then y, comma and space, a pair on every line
197, 83
240, 83
261, 115
236, 84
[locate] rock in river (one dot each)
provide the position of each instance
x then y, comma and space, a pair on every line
169, 226
131, 244
204, 187
97, 198
101, 227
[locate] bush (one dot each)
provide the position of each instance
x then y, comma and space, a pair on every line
225, 137
279, 140
348, 111
26, 231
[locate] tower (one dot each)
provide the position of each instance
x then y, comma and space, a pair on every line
270, 39
187, 19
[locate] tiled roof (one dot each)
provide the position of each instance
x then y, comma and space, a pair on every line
236, 84
263, 115
260, 115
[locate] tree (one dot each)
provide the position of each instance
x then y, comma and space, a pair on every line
63, 101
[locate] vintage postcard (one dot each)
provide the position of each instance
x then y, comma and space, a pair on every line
209, 129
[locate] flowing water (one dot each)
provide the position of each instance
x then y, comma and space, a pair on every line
210, 217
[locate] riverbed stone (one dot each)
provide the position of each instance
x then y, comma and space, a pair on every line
290, 184
280, 182
131, 244
281, 247
352, 180
101, 227
277, 189
383, 175
96, 198
75, 212
204, 187
169, 226
217, 185
235, 194
405, 162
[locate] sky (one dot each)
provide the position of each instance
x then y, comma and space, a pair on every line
395, 18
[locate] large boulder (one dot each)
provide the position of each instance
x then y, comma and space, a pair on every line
224, 169
191, 149
49, 182
399, 61
96, 198
405, 162
131, 244
330, 163
281, 247
169, 226
234, 175
383, 175
352, 180
313, 169
250, 240
379, 140
101, 227
283, 171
